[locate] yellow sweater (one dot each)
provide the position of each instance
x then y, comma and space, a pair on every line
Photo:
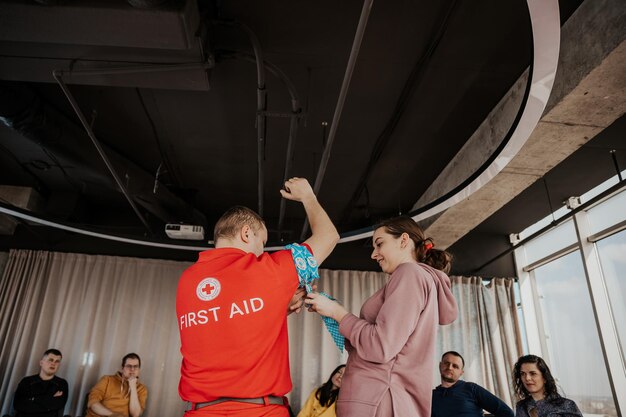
114, 393
313, 408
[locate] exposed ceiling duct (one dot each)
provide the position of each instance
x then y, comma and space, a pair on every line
456, 59
38, 122
95, 36
23, 197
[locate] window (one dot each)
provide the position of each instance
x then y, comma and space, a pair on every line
561, 321
607, 214
612, 252
558, 238
574, 353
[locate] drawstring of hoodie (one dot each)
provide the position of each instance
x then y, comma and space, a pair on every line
119, 374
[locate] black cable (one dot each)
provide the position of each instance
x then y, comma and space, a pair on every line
614, 157
164, 158
545, 185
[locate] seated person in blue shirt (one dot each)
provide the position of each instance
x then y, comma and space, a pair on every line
456, 398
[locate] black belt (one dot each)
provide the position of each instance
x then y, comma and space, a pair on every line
269, 400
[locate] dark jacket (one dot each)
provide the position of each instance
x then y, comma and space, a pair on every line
551, 406
34, 397
466, 399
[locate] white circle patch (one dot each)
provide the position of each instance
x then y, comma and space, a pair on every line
208, 289
300, 263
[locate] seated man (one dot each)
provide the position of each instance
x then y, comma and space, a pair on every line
456, 398
119, 395
44, 394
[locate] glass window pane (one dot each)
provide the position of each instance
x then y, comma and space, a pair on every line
558, 238
608, 213
612, 251
575, 356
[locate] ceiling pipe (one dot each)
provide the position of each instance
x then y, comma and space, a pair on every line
545, 25
138, 69
58, 76
410, 85
294, 118
63, 141
261, 106
356, 45
26, 216
293, 131
146, 4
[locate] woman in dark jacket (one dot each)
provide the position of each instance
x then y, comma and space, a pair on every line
536, 391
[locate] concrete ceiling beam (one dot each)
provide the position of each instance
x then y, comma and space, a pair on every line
588, 95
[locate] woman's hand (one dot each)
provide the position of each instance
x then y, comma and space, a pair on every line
325, 306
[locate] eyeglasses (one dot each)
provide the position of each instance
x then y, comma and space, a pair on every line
131, 366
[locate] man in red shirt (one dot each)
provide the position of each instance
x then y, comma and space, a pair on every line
231, 310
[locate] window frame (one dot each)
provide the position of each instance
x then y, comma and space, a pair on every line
606, 323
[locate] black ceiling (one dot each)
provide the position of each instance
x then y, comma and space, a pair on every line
427, 75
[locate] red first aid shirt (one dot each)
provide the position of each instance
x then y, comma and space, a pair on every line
231, 309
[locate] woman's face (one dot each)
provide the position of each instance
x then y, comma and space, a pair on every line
533, 380
389, 251
337, 377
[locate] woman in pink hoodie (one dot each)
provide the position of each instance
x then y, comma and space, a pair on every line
392, 343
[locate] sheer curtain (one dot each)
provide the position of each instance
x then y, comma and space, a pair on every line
4, 257
313, 354
485, 333
95, 309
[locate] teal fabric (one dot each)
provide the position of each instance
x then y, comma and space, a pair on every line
306, 266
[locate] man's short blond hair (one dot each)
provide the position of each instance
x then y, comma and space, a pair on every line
234, 219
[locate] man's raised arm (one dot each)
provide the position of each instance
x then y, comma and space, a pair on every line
324, 235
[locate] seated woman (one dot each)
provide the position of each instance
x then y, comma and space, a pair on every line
536, 391
321, 402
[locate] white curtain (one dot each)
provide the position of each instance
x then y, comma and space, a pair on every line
313, 353
4, 257
95, 309
486, 333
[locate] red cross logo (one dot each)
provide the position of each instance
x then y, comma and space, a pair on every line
208, 289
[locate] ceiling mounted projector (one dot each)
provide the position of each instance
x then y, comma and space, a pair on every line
184, 231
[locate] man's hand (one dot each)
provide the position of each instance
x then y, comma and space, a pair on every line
295, 305
297, 189
58, 394
132, 383
134, 407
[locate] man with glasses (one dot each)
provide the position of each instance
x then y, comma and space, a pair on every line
119, 395
44, 394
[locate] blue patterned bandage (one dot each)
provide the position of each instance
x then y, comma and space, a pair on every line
306, 266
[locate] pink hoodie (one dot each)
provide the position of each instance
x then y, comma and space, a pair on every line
392, 344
